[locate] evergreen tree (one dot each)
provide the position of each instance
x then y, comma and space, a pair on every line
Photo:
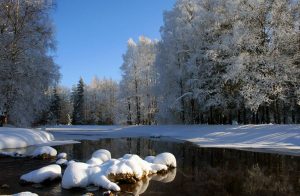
54, 112
78, 104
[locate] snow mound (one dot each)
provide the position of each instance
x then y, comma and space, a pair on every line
76, 175
103, 171
165, 158
25, 194
80, 175
131, 167
149, 159
44, 150
21, 138
62, 155
43, 174
99, 157
62, 162
102, 154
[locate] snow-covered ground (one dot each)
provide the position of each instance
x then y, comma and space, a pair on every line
273, 137
11, 138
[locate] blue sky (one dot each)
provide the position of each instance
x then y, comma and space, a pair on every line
92, 34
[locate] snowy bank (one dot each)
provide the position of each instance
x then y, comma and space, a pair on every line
13, 138
20, 138
275, 137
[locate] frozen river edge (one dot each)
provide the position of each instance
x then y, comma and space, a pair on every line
270, 138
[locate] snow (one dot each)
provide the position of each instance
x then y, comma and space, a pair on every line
44, 150
165, 159
283, 138
12, 138
81, 175
62, 162
20, 138
50, 172
62, 155
25, 194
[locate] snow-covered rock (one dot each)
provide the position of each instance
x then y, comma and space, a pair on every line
129, 168
62, 162
43, 174
81, 175
102, 154
149, 159
44, 151
25, 194
21, 138
99, 157
165, 158
62, 155
76, 175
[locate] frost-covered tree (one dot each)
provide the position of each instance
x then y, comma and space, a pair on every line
221, 61
27, 69
100, 101
137, 101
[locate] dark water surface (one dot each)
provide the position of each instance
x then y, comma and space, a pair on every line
201, 171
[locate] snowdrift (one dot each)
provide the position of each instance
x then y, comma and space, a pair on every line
21, 138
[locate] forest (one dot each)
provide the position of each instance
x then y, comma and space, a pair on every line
217, 62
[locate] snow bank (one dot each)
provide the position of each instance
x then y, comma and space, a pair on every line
43, 174
129, 168
21, 138
25, 194
281, 138
44, 151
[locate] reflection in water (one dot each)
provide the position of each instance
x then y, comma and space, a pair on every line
201, 171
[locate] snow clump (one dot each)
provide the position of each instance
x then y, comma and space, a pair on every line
51, 172
44, 152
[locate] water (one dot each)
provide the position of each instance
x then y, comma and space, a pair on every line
201, 171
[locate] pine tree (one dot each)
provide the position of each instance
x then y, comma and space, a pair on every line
78, 104
54, 111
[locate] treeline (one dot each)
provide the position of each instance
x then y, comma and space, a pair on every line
93, 104
218, 62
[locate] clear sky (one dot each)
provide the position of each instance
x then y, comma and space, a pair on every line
92, 34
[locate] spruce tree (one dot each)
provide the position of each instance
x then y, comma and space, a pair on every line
54, 114
78, 104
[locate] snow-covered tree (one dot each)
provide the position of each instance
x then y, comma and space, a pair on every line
27, 69
100, 101
137, 101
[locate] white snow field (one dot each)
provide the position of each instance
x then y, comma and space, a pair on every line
274, 137
50, 172
11, 138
